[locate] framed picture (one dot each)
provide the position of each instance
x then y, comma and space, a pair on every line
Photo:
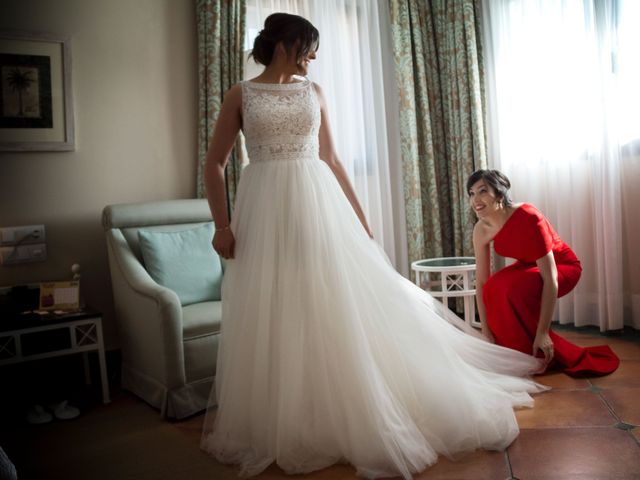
36, 102
60, 295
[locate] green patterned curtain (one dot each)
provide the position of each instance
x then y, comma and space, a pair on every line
439, 69
221, 27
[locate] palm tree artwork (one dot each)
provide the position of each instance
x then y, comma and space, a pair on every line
19, 81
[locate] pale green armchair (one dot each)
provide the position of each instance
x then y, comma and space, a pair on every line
168, 350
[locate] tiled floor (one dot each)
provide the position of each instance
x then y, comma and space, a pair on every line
581, 429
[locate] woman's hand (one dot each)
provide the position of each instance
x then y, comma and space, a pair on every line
224, 243
543, 343
488, 335
224, 136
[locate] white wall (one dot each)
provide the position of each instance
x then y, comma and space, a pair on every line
135, 93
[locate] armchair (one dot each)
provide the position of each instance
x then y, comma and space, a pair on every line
168, 350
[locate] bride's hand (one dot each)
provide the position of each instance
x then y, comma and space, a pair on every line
224, 243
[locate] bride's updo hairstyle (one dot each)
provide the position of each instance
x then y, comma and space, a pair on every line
296, 34
496, 180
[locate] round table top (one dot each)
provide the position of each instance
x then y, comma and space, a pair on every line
444, 264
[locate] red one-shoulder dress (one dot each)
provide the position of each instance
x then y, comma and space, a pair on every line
513, 295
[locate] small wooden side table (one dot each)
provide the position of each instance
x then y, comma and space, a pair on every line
454, 277
84, 331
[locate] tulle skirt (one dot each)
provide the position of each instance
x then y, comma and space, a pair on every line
328, 355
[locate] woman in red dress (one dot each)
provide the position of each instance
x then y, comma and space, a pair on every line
516, 304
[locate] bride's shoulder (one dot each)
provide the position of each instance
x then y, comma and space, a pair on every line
233, 96
319, 92
234, 91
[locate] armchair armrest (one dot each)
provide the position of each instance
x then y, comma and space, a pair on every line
149, 316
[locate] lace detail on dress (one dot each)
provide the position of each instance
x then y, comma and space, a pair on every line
280, 121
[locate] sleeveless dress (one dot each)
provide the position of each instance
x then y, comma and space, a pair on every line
513, 295
327, 354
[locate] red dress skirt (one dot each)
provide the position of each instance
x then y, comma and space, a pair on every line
513, 296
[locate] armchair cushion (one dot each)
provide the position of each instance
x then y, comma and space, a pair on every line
200, 319
183, 261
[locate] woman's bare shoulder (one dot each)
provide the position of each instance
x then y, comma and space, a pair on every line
233, 99
234, 93
319, 92
482, 233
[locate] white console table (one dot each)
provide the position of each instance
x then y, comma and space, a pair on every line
85, 335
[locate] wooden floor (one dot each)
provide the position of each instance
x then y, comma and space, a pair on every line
582, 429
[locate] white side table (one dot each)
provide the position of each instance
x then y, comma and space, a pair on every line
455, 277
85, 335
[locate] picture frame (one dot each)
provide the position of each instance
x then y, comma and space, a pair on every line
36, 98
60, 295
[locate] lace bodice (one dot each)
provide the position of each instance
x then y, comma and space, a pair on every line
280, 121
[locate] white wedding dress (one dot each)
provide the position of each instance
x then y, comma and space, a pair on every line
327, 354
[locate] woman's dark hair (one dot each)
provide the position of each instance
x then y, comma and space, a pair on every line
293, 31
496, 180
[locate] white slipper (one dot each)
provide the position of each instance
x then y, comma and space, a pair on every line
37, 415
64, 411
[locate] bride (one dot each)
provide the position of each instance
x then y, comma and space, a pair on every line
327, 354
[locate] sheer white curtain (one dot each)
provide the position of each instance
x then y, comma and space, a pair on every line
355, 68
562, 81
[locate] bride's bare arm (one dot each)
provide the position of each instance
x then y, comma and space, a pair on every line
224, 136
329, 156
